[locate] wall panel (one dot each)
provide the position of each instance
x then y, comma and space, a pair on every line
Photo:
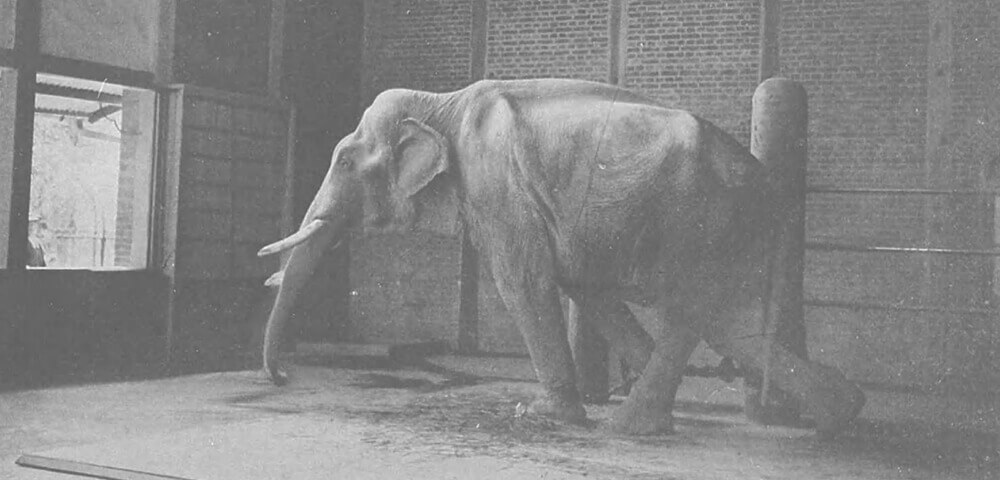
121, 33
227, 171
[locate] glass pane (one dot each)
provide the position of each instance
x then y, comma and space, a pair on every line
91, 173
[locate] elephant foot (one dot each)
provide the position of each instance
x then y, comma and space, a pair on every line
628, 420
562, 410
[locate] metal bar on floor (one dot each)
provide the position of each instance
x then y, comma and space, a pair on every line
88, 469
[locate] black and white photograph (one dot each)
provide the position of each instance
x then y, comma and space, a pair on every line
500, 239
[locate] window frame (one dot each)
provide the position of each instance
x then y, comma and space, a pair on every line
27, 61
155, 154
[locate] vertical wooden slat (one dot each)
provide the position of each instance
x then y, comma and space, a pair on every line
468, 307
26, 41
276, 46
166, 215
590, 350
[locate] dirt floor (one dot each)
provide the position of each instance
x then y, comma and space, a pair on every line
452, 417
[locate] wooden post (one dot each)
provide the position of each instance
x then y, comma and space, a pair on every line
26, 46
778, 139
590, 351
276, 49
468, 303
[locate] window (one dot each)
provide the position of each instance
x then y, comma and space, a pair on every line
91, 175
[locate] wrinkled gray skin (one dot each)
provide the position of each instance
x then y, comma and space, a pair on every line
587, 189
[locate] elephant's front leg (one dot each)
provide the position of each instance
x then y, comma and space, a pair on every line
532, 297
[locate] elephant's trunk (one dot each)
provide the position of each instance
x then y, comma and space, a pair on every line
308, 246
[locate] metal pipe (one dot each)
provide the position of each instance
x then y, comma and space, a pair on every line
847, 247
900, 191
814, 302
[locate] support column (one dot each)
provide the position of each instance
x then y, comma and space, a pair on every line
468, 304
26, 44
779, 140
590, 351
276, 47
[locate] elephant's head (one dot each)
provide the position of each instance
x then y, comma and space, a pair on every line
374, 175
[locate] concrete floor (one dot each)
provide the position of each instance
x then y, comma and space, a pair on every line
455, 417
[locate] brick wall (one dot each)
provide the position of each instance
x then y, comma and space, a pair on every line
697, 55
864, 65
562, 38
420, 44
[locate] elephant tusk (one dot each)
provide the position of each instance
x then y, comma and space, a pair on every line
294, 239
275, 279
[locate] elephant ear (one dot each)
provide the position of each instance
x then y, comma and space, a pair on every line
421, 154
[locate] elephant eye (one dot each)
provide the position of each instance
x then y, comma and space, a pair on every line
345, 163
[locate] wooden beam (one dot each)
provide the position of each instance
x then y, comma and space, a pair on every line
91, 470
468, 302
276, 48
26, 48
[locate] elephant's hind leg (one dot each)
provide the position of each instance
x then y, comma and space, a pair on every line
831, 399
647, 410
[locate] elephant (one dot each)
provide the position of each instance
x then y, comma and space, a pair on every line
584, 189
